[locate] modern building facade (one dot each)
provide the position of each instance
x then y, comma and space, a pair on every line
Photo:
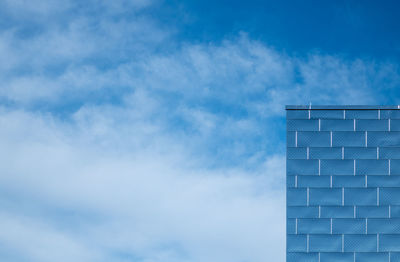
343, 183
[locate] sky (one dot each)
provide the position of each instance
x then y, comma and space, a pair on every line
155, 130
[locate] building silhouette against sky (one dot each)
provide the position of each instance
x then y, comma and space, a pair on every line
343, 183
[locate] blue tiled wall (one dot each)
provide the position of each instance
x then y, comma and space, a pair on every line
343, 184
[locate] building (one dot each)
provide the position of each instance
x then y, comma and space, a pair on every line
343, 183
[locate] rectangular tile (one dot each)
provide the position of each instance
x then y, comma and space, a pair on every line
361, 114
325, 196
372, 257
337, 167
348, 226
313, 226
389, 242
372, 125
383, 139
395, 167
383, 181
325, 243
395, 211
313, 139
389, 152
291, 226
372, 212
302, 212
290, 181
348, 181
327, 114
389, 196
302, 257
360, 243
296, 114
394, 256
383, 225
302, 125
395, 125
302, 167
372, 167
296, 243
337, 212
360, 196
360, 153
296, 197
290, 139
390, 114
296, 153
337, 257
314, 181
348, 139
325, 153
337, 125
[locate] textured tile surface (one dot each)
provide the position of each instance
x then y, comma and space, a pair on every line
343, 184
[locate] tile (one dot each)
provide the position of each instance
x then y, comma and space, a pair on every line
302, 212
383, 181
372, 212
395, 125
394, 256
296, 197
348, 139
372, 125
361, 114
395, 211
360, 153
337, 257
348, 226
302, 257
395, 167
372, 167
327, 114
372, 257
337, 211
390, 114
313, 139
290, 139
337, 125
383, 139
314, 181
325, 243
337, 167
296, 243
302, 125
290, 181
389, 196
348, 181
325, 196
314, 226
384, 226
291, 226
325, 153
360, 243
360, 196
301, 167
389, 152
389, 242
296, 153
297, 114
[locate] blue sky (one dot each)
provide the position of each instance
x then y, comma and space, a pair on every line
154, 130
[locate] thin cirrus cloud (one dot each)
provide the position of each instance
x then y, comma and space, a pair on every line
121, 144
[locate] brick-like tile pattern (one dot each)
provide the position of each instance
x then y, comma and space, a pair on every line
343, 185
